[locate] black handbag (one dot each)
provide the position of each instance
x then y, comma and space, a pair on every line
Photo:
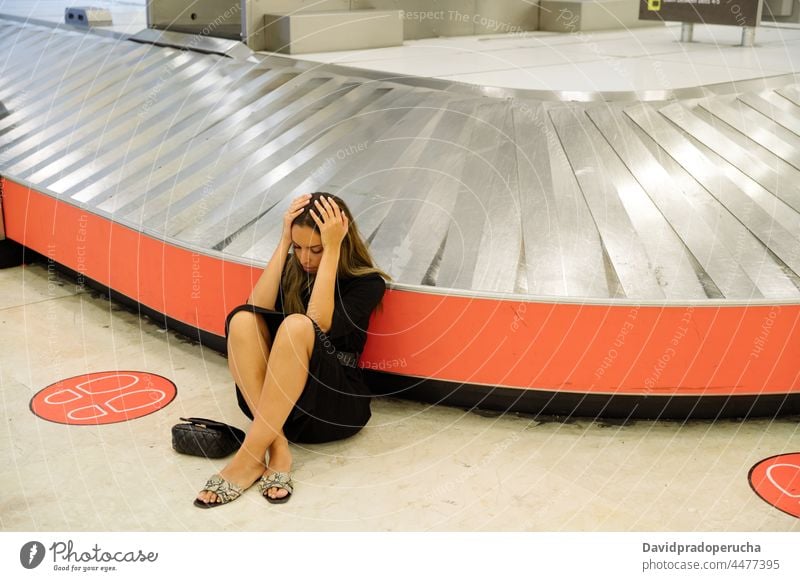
207, 438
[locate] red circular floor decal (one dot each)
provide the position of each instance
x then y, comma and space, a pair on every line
777, 481
106, 397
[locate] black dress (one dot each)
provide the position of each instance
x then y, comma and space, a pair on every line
335, 402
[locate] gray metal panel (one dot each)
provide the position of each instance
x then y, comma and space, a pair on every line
128, 116
426, 201
163, 126
14, 47
678, 209
667, 255
17, 53
769, 206
763, 130
704, 210
286, 152
91, 115
196, 42
391, 179
326, 157
488, 203
242, 126
425, 160
739, 223
62, 85
791, 93
429, 199
260, 238
272, 143
309, 144
775, 107
500, 250
347, 174
766, 158
623, 242
563, 252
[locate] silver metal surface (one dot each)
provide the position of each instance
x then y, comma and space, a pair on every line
748, 35
195, 42
687, 31
691, 199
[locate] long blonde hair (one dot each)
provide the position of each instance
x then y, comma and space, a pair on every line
354, 258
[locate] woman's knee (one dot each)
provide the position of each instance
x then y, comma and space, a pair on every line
245, 325
296, 327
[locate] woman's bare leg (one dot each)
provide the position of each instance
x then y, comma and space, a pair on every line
285, 377
282, 388
280, 460
249, 347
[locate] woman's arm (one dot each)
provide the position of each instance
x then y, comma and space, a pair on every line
266, 290
320, 304
333, 224
265, 293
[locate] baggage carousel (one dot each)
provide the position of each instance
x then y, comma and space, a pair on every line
619, 255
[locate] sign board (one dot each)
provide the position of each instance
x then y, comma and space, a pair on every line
730, 12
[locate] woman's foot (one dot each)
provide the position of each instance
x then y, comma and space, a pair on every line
242, 471
280, 460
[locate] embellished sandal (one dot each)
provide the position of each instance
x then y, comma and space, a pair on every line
280, 480
226, 492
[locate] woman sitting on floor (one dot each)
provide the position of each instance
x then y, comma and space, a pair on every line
293, 349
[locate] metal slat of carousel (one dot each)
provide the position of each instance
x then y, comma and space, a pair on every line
616, 255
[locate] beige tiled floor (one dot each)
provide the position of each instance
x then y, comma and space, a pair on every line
415, 467
640, 59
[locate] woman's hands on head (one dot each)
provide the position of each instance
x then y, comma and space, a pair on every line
331, 221
295, 208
